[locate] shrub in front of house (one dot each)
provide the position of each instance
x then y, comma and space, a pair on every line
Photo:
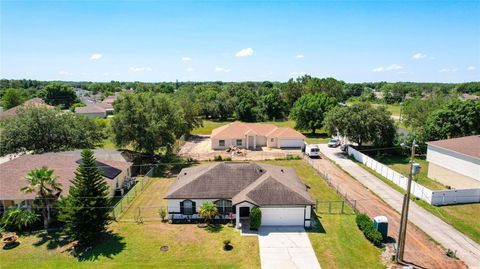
217, 158
365, 224
255, 218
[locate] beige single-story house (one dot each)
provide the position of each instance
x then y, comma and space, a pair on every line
236, 187
114, 169
92, 111
34, 102
255, 135
455, 162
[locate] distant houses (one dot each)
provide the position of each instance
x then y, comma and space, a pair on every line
101, 109
34, 102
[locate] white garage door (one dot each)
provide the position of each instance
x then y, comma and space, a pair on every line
283, 216
291, 143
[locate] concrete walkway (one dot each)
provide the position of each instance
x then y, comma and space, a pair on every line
441, 232
286, 247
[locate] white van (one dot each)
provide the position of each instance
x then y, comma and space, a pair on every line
312, 150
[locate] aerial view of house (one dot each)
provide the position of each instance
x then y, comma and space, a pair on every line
34, 102
236, 187
255, 135
455, 162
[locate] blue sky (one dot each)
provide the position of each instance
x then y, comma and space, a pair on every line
355, 41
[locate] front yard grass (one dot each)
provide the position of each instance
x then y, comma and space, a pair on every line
462, 217
338, 243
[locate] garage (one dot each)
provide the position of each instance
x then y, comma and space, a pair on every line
285, 216
291, 143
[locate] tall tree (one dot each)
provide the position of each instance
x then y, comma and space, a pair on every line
61, 94
309, 111
362, 123
41, 130
416, 111
246, 108
85, 210
12, 98
271, 105
148, 122
42, 182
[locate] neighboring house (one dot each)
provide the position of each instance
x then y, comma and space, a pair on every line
254, 135
34, 102
237, 187
93, 111
113, 168
108, 107
467, 96
455, 162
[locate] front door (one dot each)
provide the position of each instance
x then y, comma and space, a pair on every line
250, 142
244, 212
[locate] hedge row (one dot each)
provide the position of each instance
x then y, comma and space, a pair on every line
365, 224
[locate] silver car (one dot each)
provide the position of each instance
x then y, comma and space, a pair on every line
333, 143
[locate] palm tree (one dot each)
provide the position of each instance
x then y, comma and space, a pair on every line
208, 210
42, 182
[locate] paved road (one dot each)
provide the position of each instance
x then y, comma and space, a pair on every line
286, 247
441, 232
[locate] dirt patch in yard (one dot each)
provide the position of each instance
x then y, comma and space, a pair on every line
420, 250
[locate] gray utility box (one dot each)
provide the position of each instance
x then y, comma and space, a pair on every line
381, 224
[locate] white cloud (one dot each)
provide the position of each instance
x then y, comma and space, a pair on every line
388, 68
96, 57
448, 70
186, 59
296, 74
65, 73
471, 68
140, 69
300, 56
221, 69
419, 55
190, 69
244, 52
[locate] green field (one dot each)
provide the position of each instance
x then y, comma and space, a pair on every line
461, 217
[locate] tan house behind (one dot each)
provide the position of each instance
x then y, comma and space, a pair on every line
255, 135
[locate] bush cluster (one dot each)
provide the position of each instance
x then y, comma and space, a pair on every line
365, 224
255, 218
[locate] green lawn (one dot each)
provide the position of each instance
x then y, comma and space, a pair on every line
461, 217
400, 163
321, 137
393, 108
338, 243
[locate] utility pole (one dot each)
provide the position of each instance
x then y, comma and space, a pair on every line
406, 203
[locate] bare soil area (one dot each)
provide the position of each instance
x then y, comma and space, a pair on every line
420, 250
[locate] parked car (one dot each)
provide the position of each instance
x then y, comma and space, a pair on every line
333, 143
344, 147
312, 150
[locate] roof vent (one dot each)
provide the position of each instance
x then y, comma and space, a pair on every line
260, 170
281, 170
185, 173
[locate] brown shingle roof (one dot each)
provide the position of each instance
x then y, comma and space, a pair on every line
93, 108
34, 102
238, 129
468, 145
259, 184
12, 173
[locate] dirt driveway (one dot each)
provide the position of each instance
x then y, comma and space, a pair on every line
199, 148
420, 249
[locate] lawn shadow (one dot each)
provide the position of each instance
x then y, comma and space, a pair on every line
317, 226
317, 135
53, 239
214, 228
110, 245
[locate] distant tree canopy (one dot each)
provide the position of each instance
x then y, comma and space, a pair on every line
42, 130
148, 122
12, 98
309, 111
361, 123
57, 93
416, 111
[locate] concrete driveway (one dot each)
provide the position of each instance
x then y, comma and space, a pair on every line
283, 247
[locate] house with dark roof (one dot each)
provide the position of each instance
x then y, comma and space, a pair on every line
455, 162
114, 169
236, 187
255, 135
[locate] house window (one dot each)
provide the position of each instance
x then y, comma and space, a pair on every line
224, 206
239, 142
221, 143
187, 207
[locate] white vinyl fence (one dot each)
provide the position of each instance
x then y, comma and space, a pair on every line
442, 197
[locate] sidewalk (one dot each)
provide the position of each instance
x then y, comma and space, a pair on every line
444, 234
